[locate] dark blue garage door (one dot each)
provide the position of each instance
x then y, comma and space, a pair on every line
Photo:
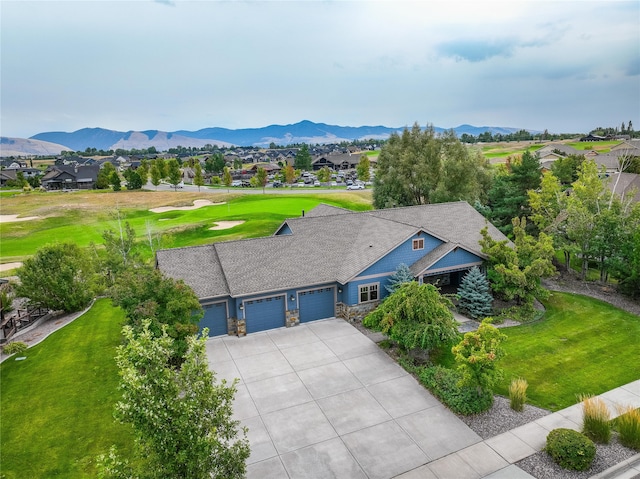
215, 318
263, 314
317, 304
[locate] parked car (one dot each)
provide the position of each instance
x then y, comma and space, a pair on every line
277, 184
316, 183
355, 186
236, 183
334, 183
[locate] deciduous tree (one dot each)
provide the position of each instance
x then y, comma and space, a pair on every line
362, 169
261, 177
226, 177
198, 179
477, 356
144, 293
174, 176
182, 417
59, 276
420, 167
156, 175
515, 272
289, 174
415, 316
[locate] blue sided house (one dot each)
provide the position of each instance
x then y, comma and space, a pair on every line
330, 262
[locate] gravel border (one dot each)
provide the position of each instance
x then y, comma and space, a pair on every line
541, 466
501, 418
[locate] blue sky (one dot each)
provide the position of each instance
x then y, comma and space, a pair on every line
564, 66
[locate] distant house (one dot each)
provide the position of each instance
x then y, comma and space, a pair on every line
330, 262
7, 175
626, 185
591, 137
70, 177
336, 161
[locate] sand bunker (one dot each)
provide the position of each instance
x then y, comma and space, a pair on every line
196, 204
225, 225
14, 218
9, 266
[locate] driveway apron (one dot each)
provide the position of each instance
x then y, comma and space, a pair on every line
321, 400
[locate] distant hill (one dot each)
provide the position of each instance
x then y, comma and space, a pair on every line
23, 147
302, 132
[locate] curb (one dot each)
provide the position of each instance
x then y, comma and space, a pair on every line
619, 469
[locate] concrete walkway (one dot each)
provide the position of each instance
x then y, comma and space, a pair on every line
321, 400
494, 458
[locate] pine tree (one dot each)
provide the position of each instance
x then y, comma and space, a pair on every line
473, 294
402, 275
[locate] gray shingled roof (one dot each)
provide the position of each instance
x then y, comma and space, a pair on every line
197, 266
432, 257
322, 249
326, 210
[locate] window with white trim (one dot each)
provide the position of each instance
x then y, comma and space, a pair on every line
368, 292
418, 244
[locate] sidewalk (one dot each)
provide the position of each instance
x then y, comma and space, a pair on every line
495, 458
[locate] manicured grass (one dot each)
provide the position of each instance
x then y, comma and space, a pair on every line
83, 216
581, 346
600, 146
57, 405
503, 150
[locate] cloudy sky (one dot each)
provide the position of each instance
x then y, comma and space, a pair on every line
566, 66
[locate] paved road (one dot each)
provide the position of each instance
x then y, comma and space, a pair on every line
254, 191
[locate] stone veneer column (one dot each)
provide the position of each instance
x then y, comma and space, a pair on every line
292, 318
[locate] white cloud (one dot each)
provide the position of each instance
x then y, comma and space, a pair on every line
189, 65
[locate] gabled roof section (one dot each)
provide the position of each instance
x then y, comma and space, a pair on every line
432, 258
197, 266
326, 210
457, 221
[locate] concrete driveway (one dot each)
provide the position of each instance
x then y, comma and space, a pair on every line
321, 400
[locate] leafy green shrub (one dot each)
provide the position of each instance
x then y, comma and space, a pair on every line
16, 347
477, 356
415, 316
445, 385
628, 426
518, 393
596, 423
570, 449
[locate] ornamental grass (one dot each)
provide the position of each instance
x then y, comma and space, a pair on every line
518, 393
596, 419
628, 426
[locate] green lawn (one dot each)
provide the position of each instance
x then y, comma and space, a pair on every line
599, 146
84, 217
57, 405
582, 345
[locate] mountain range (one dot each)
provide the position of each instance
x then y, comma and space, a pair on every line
302, 132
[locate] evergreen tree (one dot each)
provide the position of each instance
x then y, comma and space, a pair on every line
115, 181
473, 294
303, 158
402, 275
